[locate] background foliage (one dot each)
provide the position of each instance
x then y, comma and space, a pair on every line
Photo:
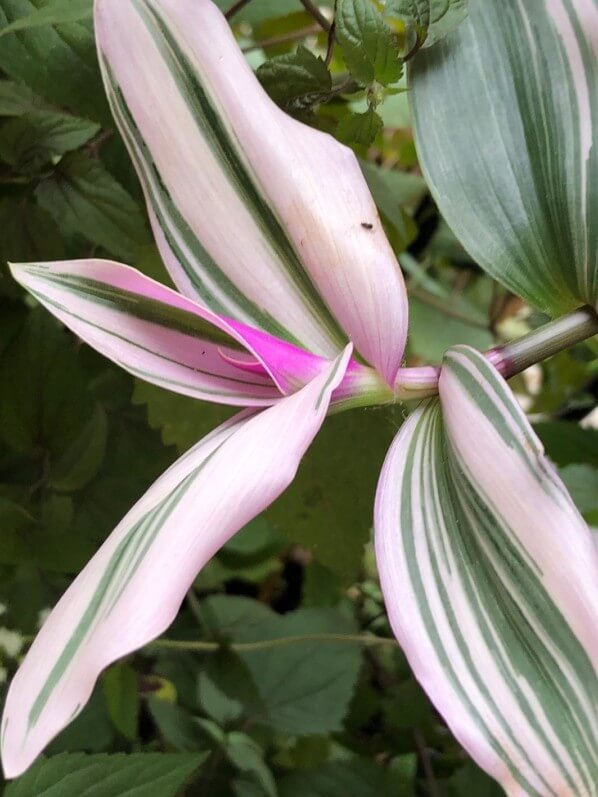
80, 441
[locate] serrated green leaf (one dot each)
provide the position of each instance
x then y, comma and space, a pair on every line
140, 775
369, 47
29, 141
360, 128
28, 233
333, 495
47, 403
181, 420
85, 199
83, 458
176, 726
316, 699
419, 11
56, 13
226, 690
57, 62
296, 81
357, 777
17, 98
445, 16
247, 756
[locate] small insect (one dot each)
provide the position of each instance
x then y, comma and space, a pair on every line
367, 226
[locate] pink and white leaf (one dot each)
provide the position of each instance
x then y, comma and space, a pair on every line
490, 578
132, 589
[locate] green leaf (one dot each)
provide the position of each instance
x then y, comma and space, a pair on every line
488, 595
181, 420
58, 62
83, 457
90, 732
85, 199
432, 331
333, 493
316, 699
29, 141
13, 519
433, 19
513, 171
369, 46
147, 774
59, 11
360, 128
469, 781
247, 756
582, 483
176, 726
357, 777
122, 698
332, 497
296, 81
394, 190
17, 98
226, 690
445, 16
46, 403
28, 234
567, 443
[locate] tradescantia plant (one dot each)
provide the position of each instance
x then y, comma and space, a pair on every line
292, 305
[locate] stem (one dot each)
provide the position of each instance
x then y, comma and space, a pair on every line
313, 10
236, 7
510, 358
283, 38
244, 647
422, 751
545, 342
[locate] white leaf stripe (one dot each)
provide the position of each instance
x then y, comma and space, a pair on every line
199, 266
472, 608
516, 179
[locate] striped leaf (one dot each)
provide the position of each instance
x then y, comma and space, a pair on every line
490, 578
257, 216
131, 590
151, 331
505, 113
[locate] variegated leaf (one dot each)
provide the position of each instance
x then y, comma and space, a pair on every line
132, 589
505, 109
152, 331
490, 578
257, 216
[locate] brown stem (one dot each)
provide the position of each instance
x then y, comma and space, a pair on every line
422, 751
236, 7
313, 10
